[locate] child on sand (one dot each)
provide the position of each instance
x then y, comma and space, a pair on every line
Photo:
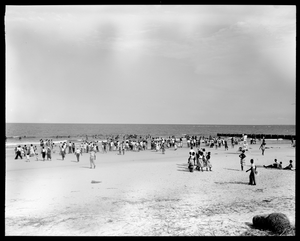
252, 170
242, 157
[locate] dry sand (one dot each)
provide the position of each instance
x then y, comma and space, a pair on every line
145, 193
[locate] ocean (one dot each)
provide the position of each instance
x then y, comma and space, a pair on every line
33, 132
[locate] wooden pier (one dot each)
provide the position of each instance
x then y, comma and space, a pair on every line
259, 136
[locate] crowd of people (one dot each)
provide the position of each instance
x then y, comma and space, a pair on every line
199, 158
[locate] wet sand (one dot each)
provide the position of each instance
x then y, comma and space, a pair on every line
145, 193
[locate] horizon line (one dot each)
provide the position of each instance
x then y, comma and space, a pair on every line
147, 124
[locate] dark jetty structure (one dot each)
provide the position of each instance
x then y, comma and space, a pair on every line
259, 136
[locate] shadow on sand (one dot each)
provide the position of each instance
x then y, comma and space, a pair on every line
182, 167
233, 169
245, 183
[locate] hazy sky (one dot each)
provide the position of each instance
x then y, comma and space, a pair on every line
175, 64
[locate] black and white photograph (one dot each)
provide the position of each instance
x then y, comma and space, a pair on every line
150, 120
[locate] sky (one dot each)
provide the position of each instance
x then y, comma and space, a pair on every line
151, 64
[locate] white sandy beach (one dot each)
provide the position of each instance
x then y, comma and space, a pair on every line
145, 193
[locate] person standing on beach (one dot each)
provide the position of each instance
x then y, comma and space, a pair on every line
226, 145
252, 170
18, 153
31, 150
77, 153
242, 157
48, 153
73, 147
200, 161
92, 158
43, 152
263, 147
28, 155
123, 147
163, 147
70, 147
191, 161
36, 153
208, 161
62, 152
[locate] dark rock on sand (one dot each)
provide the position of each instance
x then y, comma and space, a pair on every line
276, 222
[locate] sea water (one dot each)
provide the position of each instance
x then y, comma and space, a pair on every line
33, 132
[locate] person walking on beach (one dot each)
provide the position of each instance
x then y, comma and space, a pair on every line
252, 170
18, 153
77, 153
92, 158
242, 157
263, 147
